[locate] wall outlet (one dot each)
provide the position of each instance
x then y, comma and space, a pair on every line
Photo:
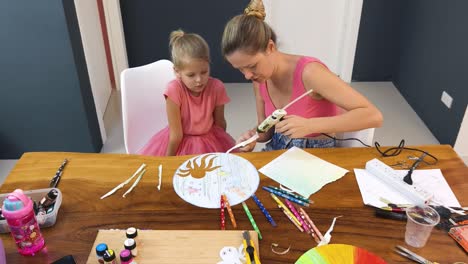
446, 99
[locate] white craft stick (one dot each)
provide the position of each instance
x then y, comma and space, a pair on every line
244, 143
160, 175
123, 183
134, 184
327, 237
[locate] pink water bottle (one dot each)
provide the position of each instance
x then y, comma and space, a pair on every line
19, 214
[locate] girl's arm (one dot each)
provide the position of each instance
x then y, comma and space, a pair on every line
218, 115
175, 127
360, 113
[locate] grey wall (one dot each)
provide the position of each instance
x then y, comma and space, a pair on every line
377, 45
45, 93
429, 53
148, 23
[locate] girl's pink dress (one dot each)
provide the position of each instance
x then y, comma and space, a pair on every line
201, 135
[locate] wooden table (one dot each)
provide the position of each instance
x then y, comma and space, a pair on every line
88, 176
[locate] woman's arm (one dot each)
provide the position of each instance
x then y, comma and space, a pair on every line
218, 116
360, 113
175, 127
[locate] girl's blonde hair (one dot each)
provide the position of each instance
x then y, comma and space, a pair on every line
248, 32
186, 46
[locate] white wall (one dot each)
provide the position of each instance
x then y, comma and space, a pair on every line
327, 30
95, 54
461, 144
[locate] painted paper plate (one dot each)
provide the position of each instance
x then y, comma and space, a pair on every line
202, 179
339, 254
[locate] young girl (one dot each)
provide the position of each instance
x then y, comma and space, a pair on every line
249, 44
194, 103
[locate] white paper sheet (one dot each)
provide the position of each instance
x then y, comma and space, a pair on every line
302, 172
372, 189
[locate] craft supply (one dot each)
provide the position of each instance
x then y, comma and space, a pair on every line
273, 247
229, 209
49, 199
222, 218
244, 143
251, 219
56, 179
109, 257
291, 193
249, 247
307, 218
134, 184
411, 255
131, 245
301, 171
124, 183
175, 246
285, 196
283, 207
126, 257
200, 180
19, 214
419, 225
264, 210
312, 233
132, 233
339, 253
100, 250
390, 215
460, 234
159, 176
327, 237
291, 217
298, 217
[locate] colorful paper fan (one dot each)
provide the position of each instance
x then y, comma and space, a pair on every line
339, 254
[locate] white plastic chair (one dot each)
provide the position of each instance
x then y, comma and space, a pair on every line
365, 135
143, 102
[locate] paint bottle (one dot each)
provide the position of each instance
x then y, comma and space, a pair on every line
130, 244
19, 214
49, 199
100, 250
126, 257
109, 256
132, 232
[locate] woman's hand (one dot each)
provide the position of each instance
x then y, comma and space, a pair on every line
244, 137
294, 126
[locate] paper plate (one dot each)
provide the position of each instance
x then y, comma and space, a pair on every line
202, 179
338, 254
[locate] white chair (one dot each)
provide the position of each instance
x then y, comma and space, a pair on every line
143, 102
365, 135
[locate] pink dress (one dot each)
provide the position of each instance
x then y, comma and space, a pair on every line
201, 135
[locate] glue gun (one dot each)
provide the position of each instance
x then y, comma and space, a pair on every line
271, 120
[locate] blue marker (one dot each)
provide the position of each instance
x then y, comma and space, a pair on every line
285, 196
264, 210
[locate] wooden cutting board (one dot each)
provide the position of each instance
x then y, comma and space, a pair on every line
173, 246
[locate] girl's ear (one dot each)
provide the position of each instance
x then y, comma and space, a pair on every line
177, 73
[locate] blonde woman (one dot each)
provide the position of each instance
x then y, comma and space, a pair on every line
249, 44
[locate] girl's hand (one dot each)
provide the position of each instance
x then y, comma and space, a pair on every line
244, 137
294, 126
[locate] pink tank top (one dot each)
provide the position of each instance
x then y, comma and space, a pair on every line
306, 107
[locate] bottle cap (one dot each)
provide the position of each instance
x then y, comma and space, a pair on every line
109, 255
129, 244
132, 232
101, 249
17, 204
125, 255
